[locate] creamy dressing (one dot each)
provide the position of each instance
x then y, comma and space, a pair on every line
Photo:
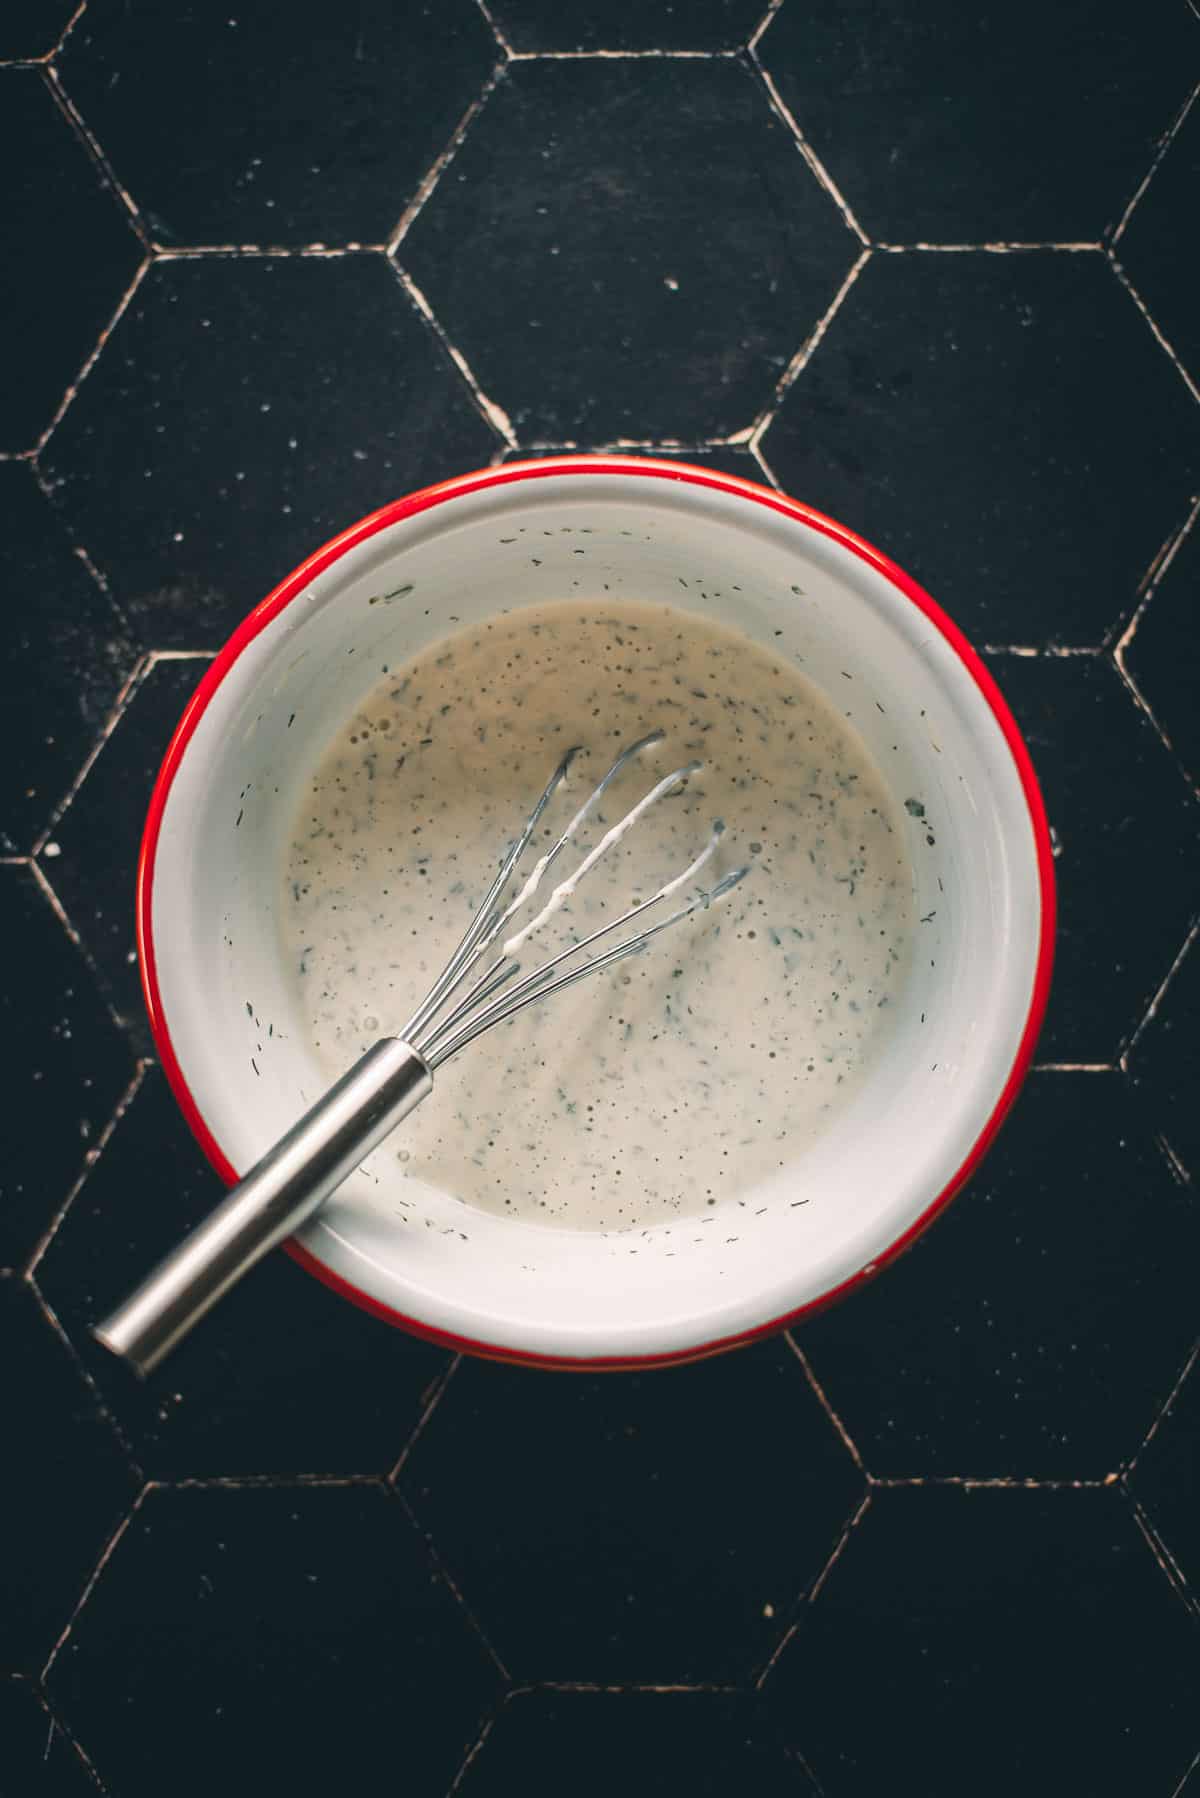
687, 1074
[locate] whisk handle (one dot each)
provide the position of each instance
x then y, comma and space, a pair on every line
273, 1200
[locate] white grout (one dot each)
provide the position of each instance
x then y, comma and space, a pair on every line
806, 150
1164, 144
755, 37
90, 363
196, 252
1140, 303
89, 1161
623, 55
1151, 1011
495, 415
124, 695
434, 174
804, 353
91, 145
1167, 1403
493, 26
823, 1401
101, 1564
989, 249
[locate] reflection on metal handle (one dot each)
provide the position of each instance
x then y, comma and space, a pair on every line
275, 1198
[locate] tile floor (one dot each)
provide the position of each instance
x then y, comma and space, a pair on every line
930, 267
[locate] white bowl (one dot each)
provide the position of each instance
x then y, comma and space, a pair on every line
210, 885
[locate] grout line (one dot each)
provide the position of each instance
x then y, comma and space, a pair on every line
60, 911
1172, 1572
1073, 1067
119, 707
89, 364
623, 55
156, 656
1148, 587
98, 1569
431, 1399
90, 1159
988, 1482
823, 1401
438, 168
1042, 649
492, 25
616, 1687
1152, 1009
994, 248
493, 414
848, 1529
810, 156
804, 354
1179, 1790
1143, 705
760, 456
321, 252
59, 1724
1140, 303
1164, 144
85, 1373
755, 37
480, 1738
95, 154
1178, 1171
451, 1584
272, 1482
68, 28
1176, 1389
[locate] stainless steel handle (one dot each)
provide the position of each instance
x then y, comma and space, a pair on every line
276, 1196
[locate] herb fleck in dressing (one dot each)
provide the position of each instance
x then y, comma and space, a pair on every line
695, 1070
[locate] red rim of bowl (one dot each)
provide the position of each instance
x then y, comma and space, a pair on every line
423, 501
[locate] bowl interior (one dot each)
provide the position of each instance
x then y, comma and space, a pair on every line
229, 1005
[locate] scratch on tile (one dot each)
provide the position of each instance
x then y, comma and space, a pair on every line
1164, 144
434, 174
1179, 1172
86, 370
806, 150
1151, 1011
494, 414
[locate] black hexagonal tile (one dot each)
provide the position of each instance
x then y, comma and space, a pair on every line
284, 1378
1035, 1329
958, 124
1157, 246
92, 857
993, 1642
707, 1744
32, 28
1167, 1480
615, 25
1127, 847
275, 125
67, 1065
1164, 654
655, 248
67, 1482
971, 416
651, 1527
244, 412
39, 1760
1164, 1062
277, 1636
68, 262
64, 652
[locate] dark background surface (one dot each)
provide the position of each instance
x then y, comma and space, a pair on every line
930, 267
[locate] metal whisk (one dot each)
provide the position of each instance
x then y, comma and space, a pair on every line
475, 991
